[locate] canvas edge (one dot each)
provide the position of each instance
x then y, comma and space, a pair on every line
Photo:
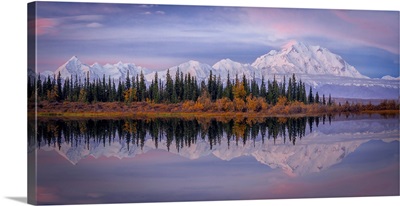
31, 106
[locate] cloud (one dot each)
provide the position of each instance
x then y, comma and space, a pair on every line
350, 28
94, 25
85, 18
43, 26
208, 33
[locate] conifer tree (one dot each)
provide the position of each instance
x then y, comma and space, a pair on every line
59, 88
142, 88
228, 89
289, 91
39, 86
219, 88
169, 87
304, 100
127, 81
156, 94
294, 88
310, 96
283, 87
263, 90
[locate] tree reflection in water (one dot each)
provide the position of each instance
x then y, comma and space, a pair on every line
176, 131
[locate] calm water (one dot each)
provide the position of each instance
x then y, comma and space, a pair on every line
127, 160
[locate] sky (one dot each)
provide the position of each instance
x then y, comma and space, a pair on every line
161, 36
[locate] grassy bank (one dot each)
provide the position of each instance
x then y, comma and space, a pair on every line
191, 110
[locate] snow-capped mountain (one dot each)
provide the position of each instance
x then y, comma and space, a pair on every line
316, 66
388, 77
226, 65
300, 58
194, 68
119, 70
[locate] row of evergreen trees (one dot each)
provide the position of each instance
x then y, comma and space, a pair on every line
182, 88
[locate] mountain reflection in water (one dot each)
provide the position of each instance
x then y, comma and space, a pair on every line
298, 147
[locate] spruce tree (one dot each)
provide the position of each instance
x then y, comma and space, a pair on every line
304, 100
228, 89
127, 81
289, 91
142, 88
294, 88
177, 85
263, 90
316, 98
39, 86
59, 89
155, 89
169, 87
310, 97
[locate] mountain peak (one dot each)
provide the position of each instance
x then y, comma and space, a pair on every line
302, 58
74, 58
290, 44
388, 77
192, 62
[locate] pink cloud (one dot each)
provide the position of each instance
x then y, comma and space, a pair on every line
353, 28
43, 26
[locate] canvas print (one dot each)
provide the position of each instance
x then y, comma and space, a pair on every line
132, 103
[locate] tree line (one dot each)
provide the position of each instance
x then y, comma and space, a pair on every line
181, 88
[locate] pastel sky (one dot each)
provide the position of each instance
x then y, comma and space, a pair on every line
161, 36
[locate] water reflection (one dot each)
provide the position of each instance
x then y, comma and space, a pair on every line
214, 159
178, 132
276, 142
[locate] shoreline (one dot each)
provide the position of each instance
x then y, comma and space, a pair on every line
188, 115
113, 110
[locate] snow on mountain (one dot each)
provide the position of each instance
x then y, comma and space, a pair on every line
194, 68
316, 66
226, 65
75, 67
388, 77
300, 58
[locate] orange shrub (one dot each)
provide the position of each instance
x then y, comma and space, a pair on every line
188, 106
198, 106
239, 105
224, 104
254, 104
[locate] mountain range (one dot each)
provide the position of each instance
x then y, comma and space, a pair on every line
319, 68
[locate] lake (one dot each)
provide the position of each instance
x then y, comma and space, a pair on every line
153, 160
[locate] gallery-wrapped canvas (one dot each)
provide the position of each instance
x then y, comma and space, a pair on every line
132, 103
